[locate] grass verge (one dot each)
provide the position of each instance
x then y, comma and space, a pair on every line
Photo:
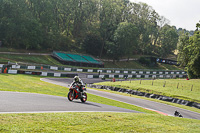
96, 122
176, 88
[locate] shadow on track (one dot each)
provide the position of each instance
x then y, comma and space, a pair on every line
87, 103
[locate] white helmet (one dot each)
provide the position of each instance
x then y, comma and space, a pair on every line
76, 79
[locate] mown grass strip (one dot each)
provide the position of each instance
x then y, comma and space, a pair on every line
96, 122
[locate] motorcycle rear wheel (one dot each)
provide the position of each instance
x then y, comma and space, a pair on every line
84, 98
70, 96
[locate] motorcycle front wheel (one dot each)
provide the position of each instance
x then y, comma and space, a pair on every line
84, 97
70, 96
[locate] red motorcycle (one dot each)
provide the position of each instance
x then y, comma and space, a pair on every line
74, 93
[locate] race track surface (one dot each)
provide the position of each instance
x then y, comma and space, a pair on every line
19, 102
155, 106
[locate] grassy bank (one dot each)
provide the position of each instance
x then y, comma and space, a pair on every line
177, 88
136, 65
48, 60
96, 122
38, 59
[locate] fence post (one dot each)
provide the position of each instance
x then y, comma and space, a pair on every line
191, 87
164, 84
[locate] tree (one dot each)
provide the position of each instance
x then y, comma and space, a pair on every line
125, 37
64, 25
19, 28
146, 20
189, 53
193, 64
110, 16
92, 44
182, 45
113, 51
168, 40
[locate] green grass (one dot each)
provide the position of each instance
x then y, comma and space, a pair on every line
124, 64
96, 122
32, 84
5, 49
38, 59
169, 67
84, 122
135, 65
182, 92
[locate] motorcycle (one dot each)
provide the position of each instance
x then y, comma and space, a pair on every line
177, 114
74, 93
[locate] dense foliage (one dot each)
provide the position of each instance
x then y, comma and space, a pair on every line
113, 28
189, 52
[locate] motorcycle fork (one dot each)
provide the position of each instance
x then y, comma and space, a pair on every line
73, 93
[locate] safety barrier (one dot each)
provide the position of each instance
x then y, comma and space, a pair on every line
139, 76
111, 73
30, 72
131, 72
49, 74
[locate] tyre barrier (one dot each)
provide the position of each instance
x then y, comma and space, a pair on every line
168, 76
148, 95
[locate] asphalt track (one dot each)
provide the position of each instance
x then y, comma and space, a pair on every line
151, 105
19, 102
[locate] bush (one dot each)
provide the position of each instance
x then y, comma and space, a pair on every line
145, 61
92, 44
191, 75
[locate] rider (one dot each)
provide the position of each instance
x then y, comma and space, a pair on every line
79, 82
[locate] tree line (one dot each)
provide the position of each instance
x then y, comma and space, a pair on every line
112, 28
189, 52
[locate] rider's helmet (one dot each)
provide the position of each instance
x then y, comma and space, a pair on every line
76, 79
